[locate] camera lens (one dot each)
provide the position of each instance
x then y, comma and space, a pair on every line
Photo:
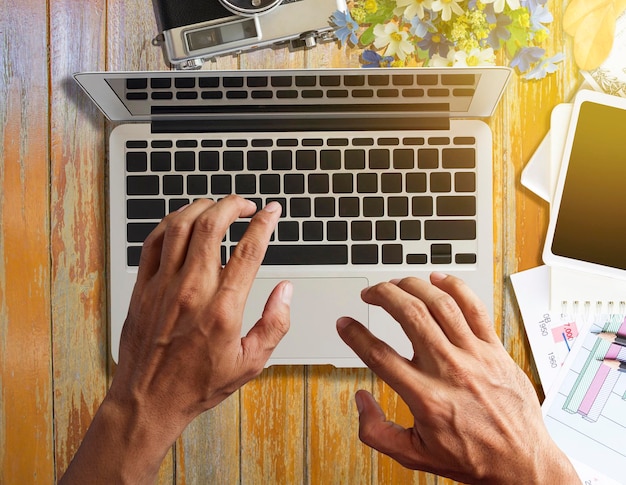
250, 7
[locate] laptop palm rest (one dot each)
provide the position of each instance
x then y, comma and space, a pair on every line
327, 299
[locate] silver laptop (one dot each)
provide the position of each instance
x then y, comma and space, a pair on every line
379, 172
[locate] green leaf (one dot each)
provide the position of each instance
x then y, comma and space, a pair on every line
367, 37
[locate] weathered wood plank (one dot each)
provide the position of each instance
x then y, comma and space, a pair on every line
26, 427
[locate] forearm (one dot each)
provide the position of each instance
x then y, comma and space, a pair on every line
120, 446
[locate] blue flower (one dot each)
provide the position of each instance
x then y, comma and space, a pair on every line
540, 16
545, 67
532, 4
499, 31
435, 43
526, 57
347, 27
419, 28
374, 59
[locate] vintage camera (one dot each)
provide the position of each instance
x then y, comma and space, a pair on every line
195, 31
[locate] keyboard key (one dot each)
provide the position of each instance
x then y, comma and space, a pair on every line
330, 80
176, 204
312, 231
318, 183
288, 231
343, 183
416, 259
354, 80
304, 254
245, 184
233, 161
386, 230
294, 183
137, 232
361, 230
269, 183
306, 80
337, 231
456, 206
391, 183
465, 182
209, 161
136, 83
198, 185
458, 158
422, 206
373, 206
379, 159
330, 160
136, 162
221, 185
173, 185
392, 254
142, 185
256, 81
282, 201
232, 82
450, 229
160, 161
257, 160
145, 208
441, 253
415, 183
281, 81
300, 207
364, 254
281, 160
133, 254
403, 158
410, 230
428, 158
185, 82
398, 206
355, 159
440, 182
306, 160
367, 183
349, 207
324, 207
465, 258
185, 161
378, 80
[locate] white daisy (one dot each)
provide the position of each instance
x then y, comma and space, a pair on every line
476, 57
437, 61
446, 7
498, 5
395, 39
411, 8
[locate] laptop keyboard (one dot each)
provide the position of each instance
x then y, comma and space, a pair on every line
347, 199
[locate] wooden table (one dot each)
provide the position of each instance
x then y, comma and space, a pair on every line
293, 424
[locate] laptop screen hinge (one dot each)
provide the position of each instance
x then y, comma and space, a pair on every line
299, 124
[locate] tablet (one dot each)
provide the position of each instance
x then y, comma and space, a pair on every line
587, 229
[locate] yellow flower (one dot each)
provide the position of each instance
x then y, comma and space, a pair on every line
540, 36
370, 6
358, 14
524, 19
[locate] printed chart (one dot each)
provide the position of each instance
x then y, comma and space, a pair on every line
586, 410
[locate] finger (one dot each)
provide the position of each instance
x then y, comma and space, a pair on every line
204, 254
178, 229
382, 359
386, 436
152, 248
443, 308
473, 309
410, 312
243, 265
266, 334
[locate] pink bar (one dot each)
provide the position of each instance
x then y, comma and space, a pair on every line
622, 329
594, 390
613, 351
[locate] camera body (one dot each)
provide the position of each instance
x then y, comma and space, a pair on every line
195, 31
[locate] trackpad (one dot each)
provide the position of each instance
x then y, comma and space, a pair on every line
316, 305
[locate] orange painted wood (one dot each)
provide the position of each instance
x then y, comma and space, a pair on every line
26, 421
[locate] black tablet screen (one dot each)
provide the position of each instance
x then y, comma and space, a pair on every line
591, 224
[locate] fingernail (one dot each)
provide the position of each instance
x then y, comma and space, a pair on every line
436, 276
359, 402
180, 209
287, 293
273, 207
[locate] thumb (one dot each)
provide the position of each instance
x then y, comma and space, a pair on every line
266, 333
381, 434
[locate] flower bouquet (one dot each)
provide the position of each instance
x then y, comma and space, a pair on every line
439, 33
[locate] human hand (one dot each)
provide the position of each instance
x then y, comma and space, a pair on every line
181, 350
477, 416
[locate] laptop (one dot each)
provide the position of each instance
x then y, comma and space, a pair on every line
380, 172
